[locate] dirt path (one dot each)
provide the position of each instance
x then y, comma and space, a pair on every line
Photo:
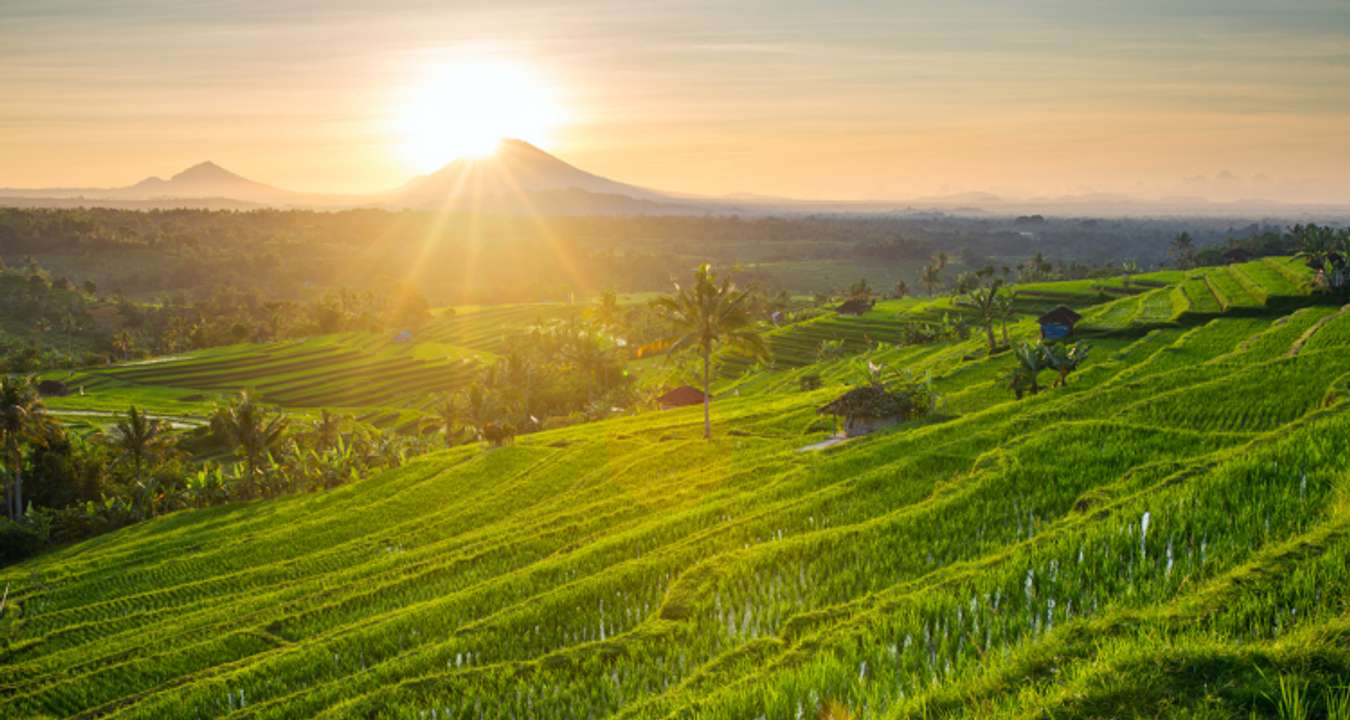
176, 421
826, 443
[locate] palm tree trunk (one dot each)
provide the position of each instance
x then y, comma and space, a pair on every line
18, 491
989, 331
707, 398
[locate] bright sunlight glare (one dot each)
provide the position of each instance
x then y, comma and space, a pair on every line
465, 109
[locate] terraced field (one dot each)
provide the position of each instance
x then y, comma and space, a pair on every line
1165, 536
383, 380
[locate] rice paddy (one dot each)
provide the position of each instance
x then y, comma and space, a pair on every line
1167, 535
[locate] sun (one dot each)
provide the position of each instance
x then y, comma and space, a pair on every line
465, 108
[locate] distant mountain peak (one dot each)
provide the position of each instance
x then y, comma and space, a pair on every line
515, 169
206, 172
518, 144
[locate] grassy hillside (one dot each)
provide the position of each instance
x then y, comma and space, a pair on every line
1168, 535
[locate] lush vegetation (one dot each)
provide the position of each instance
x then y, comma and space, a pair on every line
1164, 533
299, 256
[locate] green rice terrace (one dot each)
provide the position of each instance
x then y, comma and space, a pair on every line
1167, 535
384, 379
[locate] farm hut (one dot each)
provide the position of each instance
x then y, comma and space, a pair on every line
1058, 323
681, 396
52, 388
865, 409
854, 307
403, 336
1236, 255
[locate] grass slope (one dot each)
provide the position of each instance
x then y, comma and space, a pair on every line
1165, 536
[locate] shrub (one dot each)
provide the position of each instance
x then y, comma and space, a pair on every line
499, 433
21, 539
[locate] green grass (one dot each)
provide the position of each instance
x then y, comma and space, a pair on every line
366, 374
1166, 535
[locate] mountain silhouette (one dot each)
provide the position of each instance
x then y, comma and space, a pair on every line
206, 180
518, 177
515, 173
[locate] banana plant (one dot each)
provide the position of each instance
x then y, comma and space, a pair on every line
1030, 362
1065, 359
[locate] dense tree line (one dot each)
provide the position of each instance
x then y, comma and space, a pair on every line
460, 258
61, 484
48, 321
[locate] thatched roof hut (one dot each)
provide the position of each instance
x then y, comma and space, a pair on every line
855, 307
680, 397
867, 408
53, 388
1058, 323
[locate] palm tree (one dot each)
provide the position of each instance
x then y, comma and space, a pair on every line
606, 312
135, 437
21, 423
929, 278
452, 415
860, 290
478, 407
590, 353
1182, 250
123, 344
252, 431
706, 314
1006, 310
1127, 268
984, 301
326, 429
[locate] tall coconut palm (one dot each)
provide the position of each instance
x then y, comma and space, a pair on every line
451, 414
123, 344
606, 312
929, 278
1006, 309
704, 315
136, 437
984, 301
1182, 250
326, 430
253, 432
1128, 268
22, 423
590, 353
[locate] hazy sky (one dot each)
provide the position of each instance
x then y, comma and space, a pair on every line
858, 100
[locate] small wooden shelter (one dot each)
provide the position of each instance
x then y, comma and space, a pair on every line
52, 388
681, 396
1236, 255
1058, 323
854, 307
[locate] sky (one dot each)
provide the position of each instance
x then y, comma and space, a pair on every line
844, 100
